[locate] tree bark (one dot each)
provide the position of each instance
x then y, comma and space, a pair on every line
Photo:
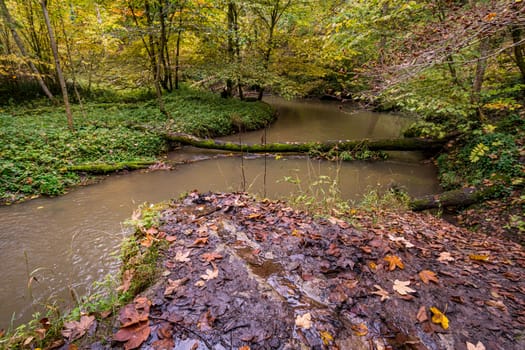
456, 198
60, 75
479, 76
518, 50
11, 24
408, 144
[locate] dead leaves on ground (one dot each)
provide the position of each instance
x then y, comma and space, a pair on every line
304, 321
402, 287
428, 276
393, 262
439, 318
134, 320
76, 329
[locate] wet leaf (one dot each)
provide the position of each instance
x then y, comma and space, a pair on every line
439, 318
422, 314
428, 276
76, 329
478, 346
211, 274
163, 344
182, 256
326, 337
136, 312
205, 322
304, 321
360, 329
393, 262
402, 287
133, 335
381, 292
445, 257
173, 285
406, 243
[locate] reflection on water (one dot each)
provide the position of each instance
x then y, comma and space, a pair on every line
66, 243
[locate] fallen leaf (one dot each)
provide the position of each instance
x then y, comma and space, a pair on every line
245, 347
360, 329
477, 257
173, 285
439, 318
445, 257
381, 292
428, 276
394, 261
200, 241
210, 274
147, 241
497, 304
478, 346
200, 283
326, 337
205, 322
127, 276
136, 312
402, 240
209, 257
76, 329
182, 256
163, 344
402, 287
133, 335
422, 314
304, 321
170, 239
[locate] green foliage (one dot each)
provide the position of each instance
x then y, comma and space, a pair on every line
392, 199
425, 129
358, 153
37, 147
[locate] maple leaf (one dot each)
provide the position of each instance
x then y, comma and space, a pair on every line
211, 274
428, 276
200, 241
127, 276
381, 292
402, 240
439, 318
445, 257
173, 285
478, 346
182, 256
394, 261
133, 335
402, 287
304, 321
76, 329
326, 337
136, 312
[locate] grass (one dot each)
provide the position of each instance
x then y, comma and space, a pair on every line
37, 148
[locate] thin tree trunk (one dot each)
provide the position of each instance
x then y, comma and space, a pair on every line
518, 50
479, 76
60, 75
177, 49
11, 24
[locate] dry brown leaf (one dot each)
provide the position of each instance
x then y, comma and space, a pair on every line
200, 241
209, 257
478, 346
422, 314
393, 262
245, 347
304, 321
134, 335
205, 322
402, 287
173, 285
136, 312
211, 274
76, 329
406, 243
381, 292
445, 257
428, 276
147, 241
497, 304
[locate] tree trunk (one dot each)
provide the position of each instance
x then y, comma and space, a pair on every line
60, 75
177, 49
479, 76
12, 27
518, 50
408, 144
462, 197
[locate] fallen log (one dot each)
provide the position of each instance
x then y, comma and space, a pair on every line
407, 144
103, 168
462, 197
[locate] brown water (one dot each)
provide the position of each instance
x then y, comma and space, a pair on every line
67, 243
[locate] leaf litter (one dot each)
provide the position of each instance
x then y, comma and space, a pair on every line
261, 275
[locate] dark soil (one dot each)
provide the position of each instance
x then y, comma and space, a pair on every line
246, 274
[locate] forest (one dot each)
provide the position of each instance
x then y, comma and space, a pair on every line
91, 87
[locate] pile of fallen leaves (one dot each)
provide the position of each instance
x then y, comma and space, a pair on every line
246, 274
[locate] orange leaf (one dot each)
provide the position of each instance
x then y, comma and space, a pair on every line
422, 314
200, 241
360, 329
394, 261
209, 257
428, 276
476, 257
326, 337
133, 335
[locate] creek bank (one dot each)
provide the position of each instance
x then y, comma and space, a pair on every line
247, 274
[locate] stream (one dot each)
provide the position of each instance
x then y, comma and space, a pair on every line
52, 248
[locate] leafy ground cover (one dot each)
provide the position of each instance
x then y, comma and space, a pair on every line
36, 145
247, 274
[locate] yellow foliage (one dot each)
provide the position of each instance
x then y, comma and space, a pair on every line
439, 318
